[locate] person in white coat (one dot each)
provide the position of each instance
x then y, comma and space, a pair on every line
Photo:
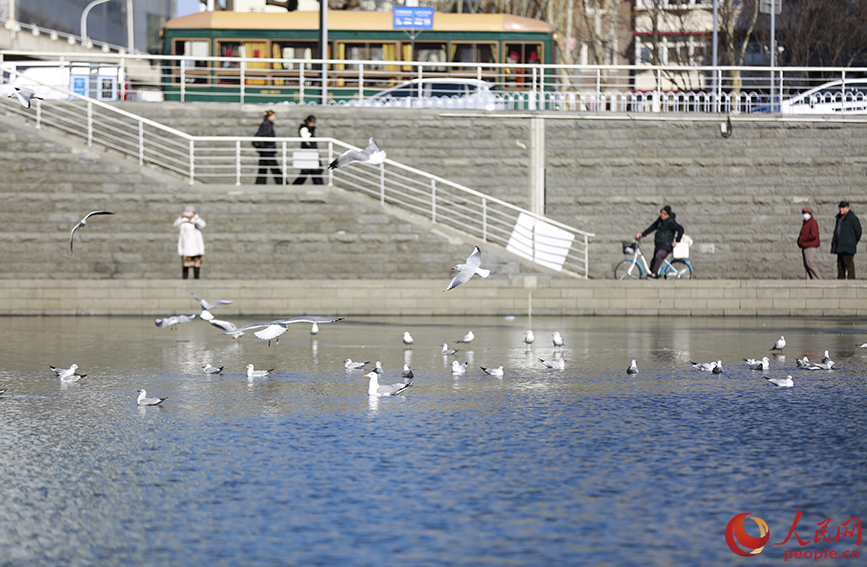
191, 245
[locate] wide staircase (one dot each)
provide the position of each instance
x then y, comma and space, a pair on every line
254, 232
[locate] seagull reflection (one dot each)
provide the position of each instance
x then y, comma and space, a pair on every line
373, 404
407, 356
314, 349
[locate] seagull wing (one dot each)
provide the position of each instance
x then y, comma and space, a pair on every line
308, 319
463, 276
227, 326
24, 95
475, 259
370, 149
392, 389
185, 318
71, 234
347, 157
98, 213
217, 303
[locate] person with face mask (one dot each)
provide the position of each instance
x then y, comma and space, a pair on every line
808, 242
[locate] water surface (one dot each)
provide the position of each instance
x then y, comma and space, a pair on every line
585, 466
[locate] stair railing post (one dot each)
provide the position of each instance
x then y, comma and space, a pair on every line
183, 79
89, 123
484, 220
433, 200
301, 83
192, 162
237, 162
381, 184
38, 114
243, 80
330, 159
140, 142
285, 163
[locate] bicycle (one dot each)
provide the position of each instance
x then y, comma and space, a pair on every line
636, 267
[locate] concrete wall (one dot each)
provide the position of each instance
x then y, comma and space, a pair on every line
387, 298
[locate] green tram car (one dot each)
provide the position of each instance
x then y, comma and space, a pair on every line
352, 36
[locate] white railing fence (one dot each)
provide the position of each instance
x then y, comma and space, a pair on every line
217, 159
585, 88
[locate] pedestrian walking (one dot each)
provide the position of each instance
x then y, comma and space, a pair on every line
191, 245
308, 130
668, 235
847, 233
808, 242
267, 150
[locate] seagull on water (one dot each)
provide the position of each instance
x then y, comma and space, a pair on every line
448, 351
2, 391
407, 372
349, 365
374, 388
144, 400
25, 95
498, 372
762, 364
370, 155
173, 321
468, 270
708, 366
228, 327
555, 364
407, 338
68, 374
529, 338
208, 369
206, 314
779, 345
458, 368
274, 329
827, 358
378, 368
802, 362
558, 340
251, 373
83, 222
633, 368
467, 339
786, 382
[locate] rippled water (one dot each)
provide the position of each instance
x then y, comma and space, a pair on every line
582, 466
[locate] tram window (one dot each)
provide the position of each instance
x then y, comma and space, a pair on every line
474, 53
230, 49
367, 52
523, 53
193, 49
293, 50
427, 53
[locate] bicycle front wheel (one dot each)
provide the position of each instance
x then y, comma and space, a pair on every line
678, 270
628, 270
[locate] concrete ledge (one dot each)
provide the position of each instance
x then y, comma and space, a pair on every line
514, 296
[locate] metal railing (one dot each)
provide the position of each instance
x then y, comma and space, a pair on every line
584, 88
226, 159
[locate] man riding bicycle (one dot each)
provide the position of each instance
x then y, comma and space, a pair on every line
668, 235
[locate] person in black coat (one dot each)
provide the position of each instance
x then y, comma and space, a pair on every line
308, 130
267, 150
847, 233
668, 234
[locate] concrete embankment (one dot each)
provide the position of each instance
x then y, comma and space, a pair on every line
388, 298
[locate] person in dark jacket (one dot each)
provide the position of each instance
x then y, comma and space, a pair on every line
308, 130
808, 242
847, 233
267, 150
668, 235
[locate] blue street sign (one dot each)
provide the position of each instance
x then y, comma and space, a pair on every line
79, 85
413, 18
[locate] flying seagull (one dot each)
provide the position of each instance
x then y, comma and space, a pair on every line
274, 329
374, 389
468, 270
206, 314
143, 400
83, 222
228, 327
173, 321
371, 155
25, 95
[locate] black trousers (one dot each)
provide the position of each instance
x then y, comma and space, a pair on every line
845, 266
266, 161
316, 174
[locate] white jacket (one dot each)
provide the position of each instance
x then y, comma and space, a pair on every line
190, 241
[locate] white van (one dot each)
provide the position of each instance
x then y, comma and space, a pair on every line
835, 97
438, 93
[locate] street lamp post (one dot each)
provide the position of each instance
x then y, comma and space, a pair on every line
84, 19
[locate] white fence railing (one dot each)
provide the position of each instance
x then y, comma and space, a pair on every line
217, 159
584, 88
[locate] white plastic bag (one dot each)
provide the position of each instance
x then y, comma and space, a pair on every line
682, 249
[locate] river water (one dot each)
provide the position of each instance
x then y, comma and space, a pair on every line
582, 466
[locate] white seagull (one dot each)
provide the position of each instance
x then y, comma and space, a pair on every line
349, 365
708, 366
228, 327
68, 374
25, 95
144, 400
407, 338
802, 362
206, 314
173, 321
762, 364
558, 340
314, 329
448, 351
458, 368
370, 155
467, 339
274, 329
786, 382
251, 373
555, 364
374, 389
468, 270
498, 372
529, 338
407, 371
2, 391
378, 368
633, 369
83, 222
827, 358
779, 345
208, 369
